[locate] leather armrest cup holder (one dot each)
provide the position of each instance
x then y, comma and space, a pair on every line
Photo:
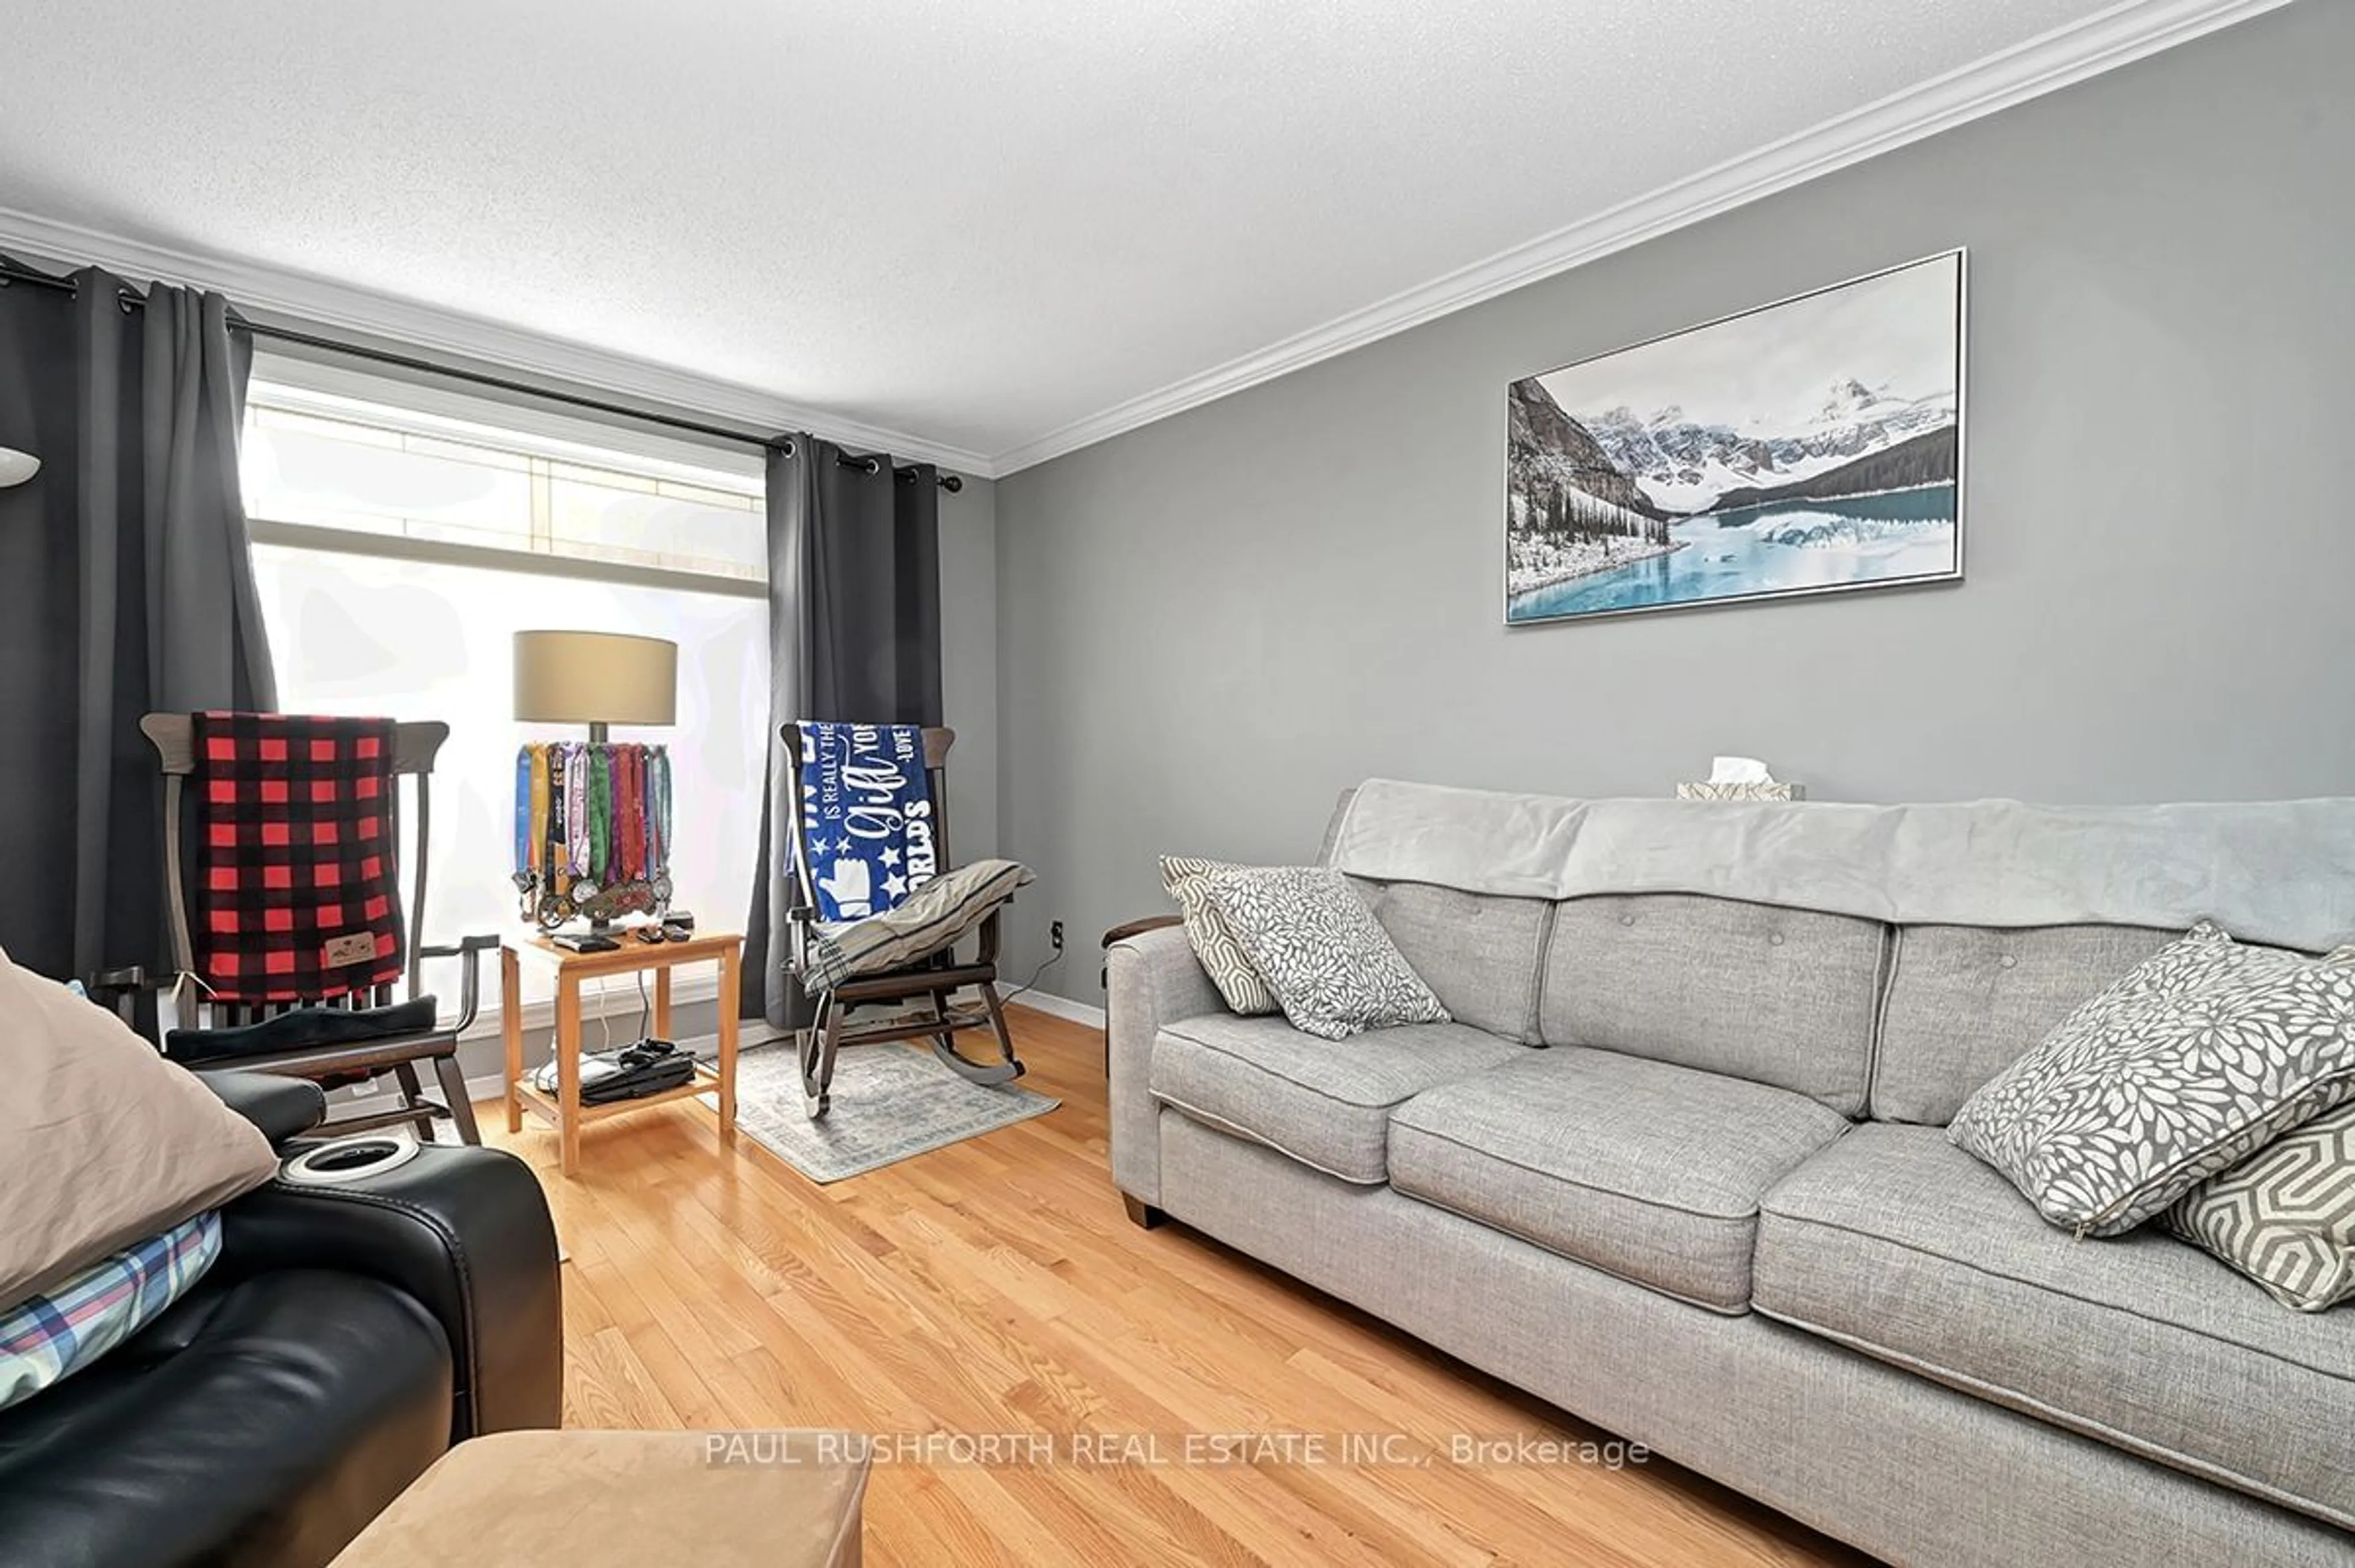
340, 1161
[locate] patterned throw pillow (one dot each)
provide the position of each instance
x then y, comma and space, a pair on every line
80, 1320
1333, 969
929, 920
1222, 957
2199, 1056
2284, 1216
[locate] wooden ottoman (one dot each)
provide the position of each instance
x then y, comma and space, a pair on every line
588, 1499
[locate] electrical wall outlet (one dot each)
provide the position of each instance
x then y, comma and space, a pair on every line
1055, 935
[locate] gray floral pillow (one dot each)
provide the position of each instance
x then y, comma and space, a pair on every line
1333, 969
2198, 1057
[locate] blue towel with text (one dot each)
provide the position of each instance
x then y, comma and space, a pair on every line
867, 816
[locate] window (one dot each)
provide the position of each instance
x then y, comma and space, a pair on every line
325, 462
401, 536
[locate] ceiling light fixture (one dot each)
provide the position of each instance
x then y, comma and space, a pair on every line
15, 466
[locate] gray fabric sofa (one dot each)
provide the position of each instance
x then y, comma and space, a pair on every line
1679, 1167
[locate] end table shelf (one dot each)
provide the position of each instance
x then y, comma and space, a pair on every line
631, 958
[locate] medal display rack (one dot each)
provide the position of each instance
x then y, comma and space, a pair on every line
580, 899
592, 832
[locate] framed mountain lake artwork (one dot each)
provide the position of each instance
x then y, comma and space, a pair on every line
1807, 446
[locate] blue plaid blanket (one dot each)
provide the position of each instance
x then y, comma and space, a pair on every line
867, 816
50, 1336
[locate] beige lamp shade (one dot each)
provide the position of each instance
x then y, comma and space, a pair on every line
595, 677
15, 466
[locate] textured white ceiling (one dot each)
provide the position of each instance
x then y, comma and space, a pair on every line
975, 223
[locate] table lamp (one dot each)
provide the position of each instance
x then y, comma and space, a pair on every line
597, 678
600, 679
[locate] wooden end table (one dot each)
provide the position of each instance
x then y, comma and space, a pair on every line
632, 957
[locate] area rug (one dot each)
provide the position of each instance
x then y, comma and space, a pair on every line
891, 1102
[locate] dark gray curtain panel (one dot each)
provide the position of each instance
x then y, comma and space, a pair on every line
854, 636
126, 586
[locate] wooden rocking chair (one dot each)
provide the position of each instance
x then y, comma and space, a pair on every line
435, 1045
933, 978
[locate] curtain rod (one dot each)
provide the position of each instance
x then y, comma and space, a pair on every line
13, 271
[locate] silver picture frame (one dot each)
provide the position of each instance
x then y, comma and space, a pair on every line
1893, 538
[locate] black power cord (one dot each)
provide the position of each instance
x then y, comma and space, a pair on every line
1036, 976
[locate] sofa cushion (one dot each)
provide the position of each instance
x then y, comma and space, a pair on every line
1965, 1001
1646, 1169
1895, 1242
1325, 1104
1478, 953
932, 918
1777, 996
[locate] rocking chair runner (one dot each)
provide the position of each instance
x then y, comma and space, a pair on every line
431, 1043
933, 978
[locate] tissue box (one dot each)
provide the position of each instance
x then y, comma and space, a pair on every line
1773, 790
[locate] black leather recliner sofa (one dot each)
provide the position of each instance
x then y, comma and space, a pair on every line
347, 1337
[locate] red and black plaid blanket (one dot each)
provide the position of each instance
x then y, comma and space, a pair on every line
296, 897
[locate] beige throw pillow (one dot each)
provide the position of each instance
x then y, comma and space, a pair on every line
1222, 956
102, 1142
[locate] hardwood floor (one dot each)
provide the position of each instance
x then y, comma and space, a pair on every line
996, 1287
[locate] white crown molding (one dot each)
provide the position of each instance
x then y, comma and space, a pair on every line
2119, 36
432, 330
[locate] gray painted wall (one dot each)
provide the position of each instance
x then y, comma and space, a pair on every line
969, 664
1210, 626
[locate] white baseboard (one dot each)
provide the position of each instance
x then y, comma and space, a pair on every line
1061, 1008
609, 998
484, 1087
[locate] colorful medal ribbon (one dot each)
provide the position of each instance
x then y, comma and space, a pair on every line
539, 826
523, 859
576, 807
625, 853
658, 817
600, 810
636, 833
560, 876
614, 812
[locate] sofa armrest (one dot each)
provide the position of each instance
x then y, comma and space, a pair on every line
466, 1232
281, 1107
1120, 933
1152, 980
1139, 927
